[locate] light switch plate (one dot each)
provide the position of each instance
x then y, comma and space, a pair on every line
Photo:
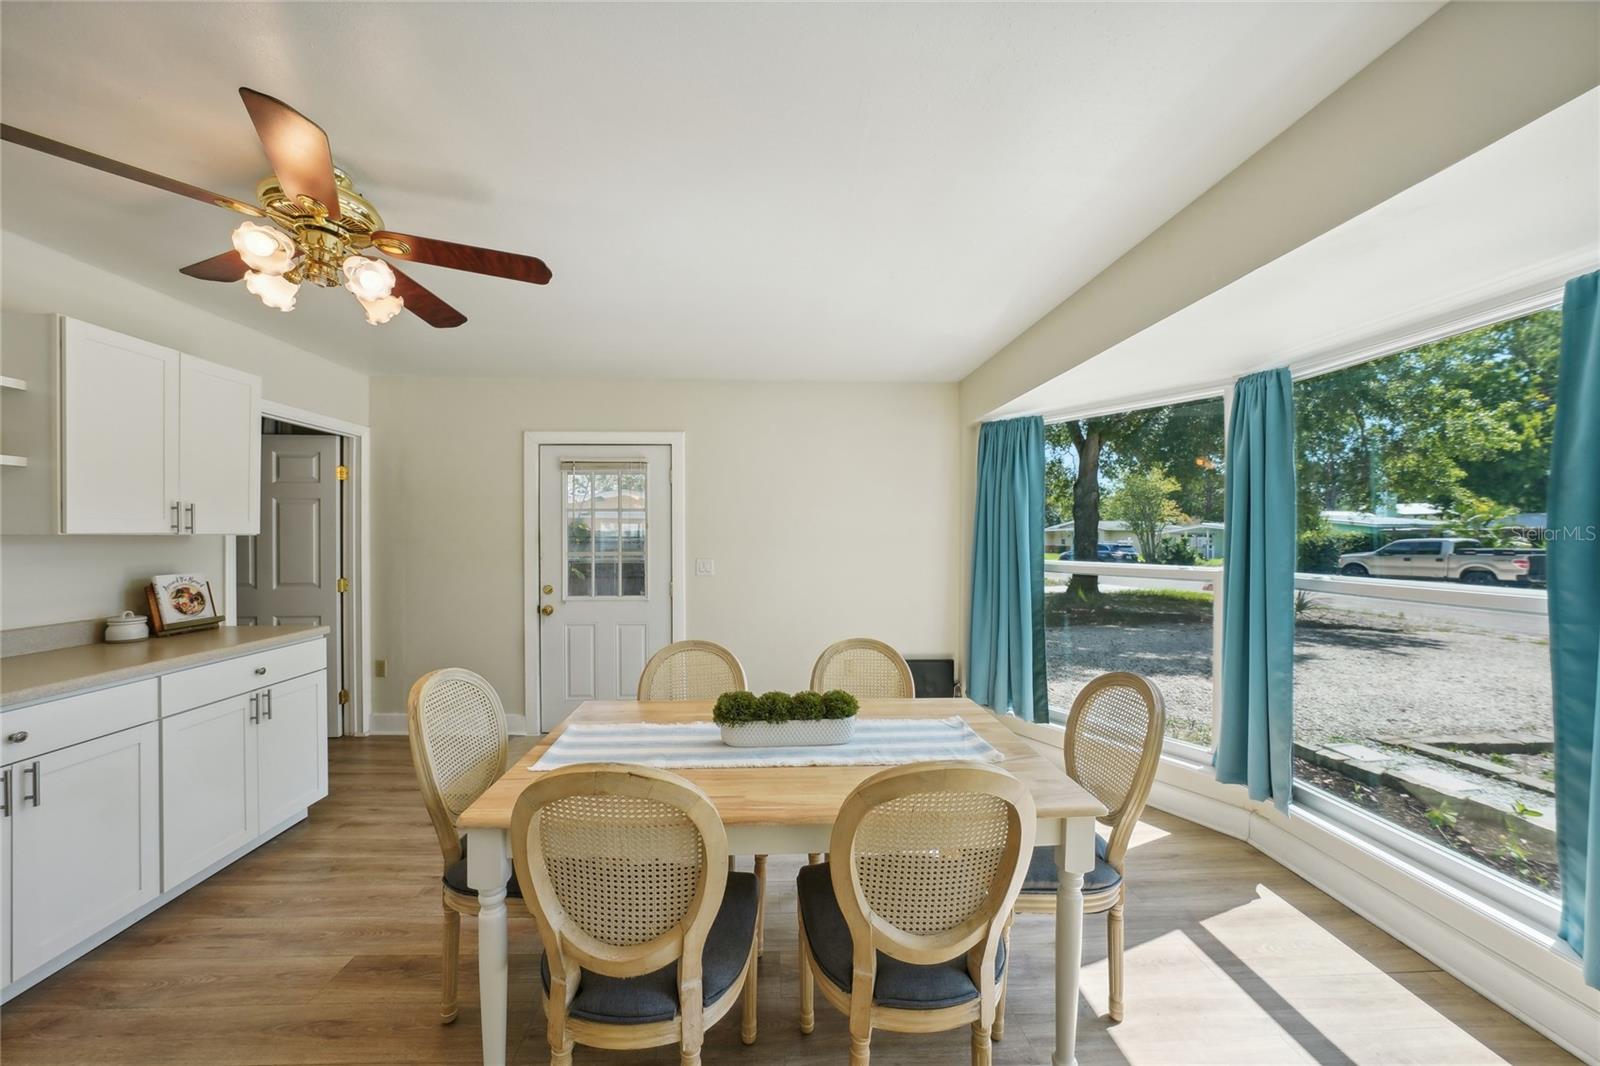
705, 567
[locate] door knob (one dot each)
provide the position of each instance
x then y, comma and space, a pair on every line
547, 610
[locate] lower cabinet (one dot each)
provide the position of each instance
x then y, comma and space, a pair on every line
235, 768
83, 845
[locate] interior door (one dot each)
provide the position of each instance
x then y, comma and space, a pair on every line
605, 571
220, 447
119, 433
290, 572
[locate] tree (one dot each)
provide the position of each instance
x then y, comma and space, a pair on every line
1144, 500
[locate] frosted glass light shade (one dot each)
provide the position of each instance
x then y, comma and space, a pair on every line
274, 290
264, 249
382, 309
369, 279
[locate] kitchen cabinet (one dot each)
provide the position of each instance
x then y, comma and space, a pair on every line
128, 437
83, 842
235, 768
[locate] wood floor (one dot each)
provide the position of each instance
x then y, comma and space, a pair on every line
323, 947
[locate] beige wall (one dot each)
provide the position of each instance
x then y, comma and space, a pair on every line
831, 511
44, 580
1466, 77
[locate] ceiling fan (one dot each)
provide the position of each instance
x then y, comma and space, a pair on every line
317, 226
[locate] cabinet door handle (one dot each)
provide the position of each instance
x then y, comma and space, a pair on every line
260, 670
5, 793
267, 695
175, 527
18, 737
255, 708
190, 509
32, 768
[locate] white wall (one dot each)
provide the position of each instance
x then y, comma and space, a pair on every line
44, 580
831, 511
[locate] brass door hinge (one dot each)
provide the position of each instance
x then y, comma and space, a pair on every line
344, 585
344, 696
341, 472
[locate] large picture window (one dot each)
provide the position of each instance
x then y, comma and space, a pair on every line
1133, 506
1422, 672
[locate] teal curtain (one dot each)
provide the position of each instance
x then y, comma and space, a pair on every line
1574, 573
1005, 643
1256, 745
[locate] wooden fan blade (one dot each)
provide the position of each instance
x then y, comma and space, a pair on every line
424, 304
225, 267
462, 257
123, 170
297, 149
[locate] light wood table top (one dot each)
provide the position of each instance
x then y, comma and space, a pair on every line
794, 795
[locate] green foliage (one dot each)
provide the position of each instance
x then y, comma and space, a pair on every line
740, 708
1303, 602
1522, 810
1144, 500
1464, 423
1442, 815
1320, 547
1175, 551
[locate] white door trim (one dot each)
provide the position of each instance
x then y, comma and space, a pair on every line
532, 440
358, 716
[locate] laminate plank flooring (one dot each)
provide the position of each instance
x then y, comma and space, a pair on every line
323, 947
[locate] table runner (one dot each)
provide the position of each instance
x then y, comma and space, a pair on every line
690, 745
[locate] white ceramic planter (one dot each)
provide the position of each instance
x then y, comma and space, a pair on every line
789, 734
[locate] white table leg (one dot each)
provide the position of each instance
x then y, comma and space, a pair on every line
1074, 855
488, 869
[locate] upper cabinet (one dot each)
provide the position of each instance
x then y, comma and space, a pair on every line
141, 439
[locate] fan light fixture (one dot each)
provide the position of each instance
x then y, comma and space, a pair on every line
382, 309
274, 289
369, 279
264, 249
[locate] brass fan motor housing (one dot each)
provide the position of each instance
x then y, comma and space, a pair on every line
324, 242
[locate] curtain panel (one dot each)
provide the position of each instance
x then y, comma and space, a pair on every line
1255, 747
1005, 644
1574, 576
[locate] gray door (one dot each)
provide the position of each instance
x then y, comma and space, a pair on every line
289, 573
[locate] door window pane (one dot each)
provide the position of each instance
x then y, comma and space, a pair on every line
607, 532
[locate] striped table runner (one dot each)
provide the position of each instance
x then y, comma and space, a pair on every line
877, 742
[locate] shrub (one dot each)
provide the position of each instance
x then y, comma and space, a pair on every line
739, 708
1175, 551
1320, 548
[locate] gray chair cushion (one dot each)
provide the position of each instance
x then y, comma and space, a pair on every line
653, 997
898, 984
455, 877
1043, 877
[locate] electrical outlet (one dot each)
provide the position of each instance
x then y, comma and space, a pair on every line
380, 668
705, 567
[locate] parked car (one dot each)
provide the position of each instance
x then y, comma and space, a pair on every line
1116, 553
1447, 559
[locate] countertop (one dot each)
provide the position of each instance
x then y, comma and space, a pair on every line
49, 675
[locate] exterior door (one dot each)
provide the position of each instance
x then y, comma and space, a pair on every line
289, 573
605, 571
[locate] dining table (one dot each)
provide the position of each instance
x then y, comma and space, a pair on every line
787, 810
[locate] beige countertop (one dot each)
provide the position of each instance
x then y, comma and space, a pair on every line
49, 675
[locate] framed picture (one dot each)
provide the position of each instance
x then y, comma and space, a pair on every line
180, 602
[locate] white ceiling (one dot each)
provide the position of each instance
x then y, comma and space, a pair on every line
1513, 220
807, 191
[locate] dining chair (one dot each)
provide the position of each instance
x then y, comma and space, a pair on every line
696, 670
1112, 748
690, 670
458, 736
865, 668
648, 939
904, 929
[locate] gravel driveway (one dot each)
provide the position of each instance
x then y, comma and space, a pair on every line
1357, 674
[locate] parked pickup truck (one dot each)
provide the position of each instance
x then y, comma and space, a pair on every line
1448, 559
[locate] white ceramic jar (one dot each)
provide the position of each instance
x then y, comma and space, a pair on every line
127, 626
